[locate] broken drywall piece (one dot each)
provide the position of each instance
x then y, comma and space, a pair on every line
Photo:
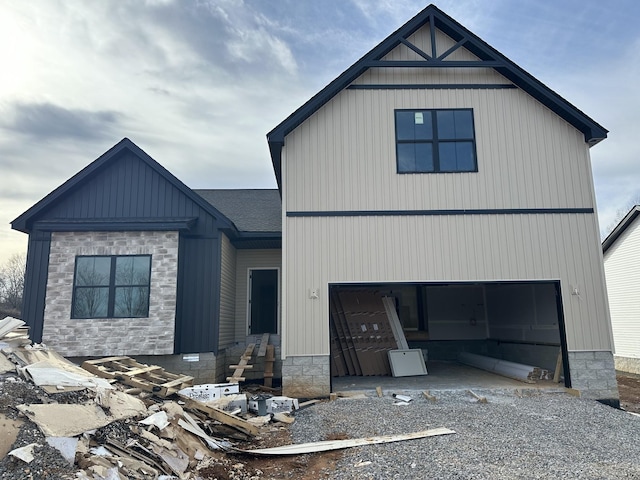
45, 373
8, 324
65, 420
9, 429
159, 419
120, 405
69, 420
327, 445
25, 453
65, 445
6, 365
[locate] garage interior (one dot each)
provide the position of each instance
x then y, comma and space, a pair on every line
519, 322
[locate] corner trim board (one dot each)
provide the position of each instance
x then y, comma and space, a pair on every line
405, 213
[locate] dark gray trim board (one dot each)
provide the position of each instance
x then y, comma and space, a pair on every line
116, 224
433, 86
620, 228
423, 213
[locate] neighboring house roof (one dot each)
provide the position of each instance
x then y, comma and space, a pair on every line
593, 132
250, 210
620, 228
24, 222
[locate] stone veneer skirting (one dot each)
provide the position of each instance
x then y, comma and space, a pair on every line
306, 376
627, 364
594, 374
121, 336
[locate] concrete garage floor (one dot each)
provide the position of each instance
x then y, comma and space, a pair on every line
441, 376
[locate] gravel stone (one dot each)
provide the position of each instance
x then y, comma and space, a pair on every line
513, 436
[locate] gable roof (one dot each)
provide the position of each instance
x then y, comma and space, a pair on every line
251, 210
620, 228
490, 57
24, 222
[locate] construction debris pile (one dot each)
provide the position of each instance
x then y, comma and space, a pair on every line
118, 419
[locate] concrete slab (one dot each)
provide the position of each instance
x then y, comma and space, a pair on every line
442, 376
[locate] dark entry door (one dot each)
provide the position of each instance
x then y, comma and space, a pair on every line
263, 301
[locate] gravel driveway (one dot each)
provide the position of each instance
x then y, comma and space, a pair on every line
540, 435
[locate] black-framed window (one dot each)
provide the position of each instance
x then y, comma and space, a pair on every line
434, 141
114, 286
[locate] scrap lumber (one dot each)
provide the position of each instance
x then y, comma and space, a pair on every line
269, 359
242, 365
264, 341
149, 378
556, 373
394, 321
327, 445
479, 398
220, 415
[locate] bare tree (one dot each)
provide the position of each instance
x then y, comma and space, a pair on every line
622, 212
12, 281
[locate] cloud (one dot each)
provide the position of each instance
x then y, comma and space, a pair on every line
48, 121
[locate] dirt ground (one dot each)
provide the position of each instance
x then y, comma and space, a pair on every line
629, 388
49, 465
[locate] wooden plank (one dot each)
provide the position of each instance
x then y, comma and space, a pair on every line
327, 445
556, 374
242, 364
220, 415
98, 361
245, 367
147, 369
394, 322
270, 357
263, 345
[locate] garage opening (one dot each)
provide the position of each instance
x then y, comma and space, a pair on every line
519, 322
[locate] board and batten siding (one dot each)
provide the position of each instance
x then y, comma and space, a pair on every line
227, 292
246, 260
443, 249
622, 269
343, 158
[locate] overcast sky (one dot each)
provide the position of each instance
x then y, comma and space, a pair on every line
198, 84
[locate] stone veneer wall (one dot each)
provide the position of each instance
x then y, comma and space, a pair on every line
307, 376
594, 374
627, 364
120, 336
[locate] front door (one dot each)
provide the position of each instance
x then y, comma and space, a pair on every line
263, 301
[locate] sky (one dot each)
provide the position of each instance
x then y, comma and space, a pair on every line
198, 84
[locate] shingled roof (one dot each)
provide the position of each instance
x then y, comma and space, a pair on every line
250, 210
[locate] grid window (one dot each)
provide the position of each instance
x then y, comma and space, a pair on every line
111, 286
435, 141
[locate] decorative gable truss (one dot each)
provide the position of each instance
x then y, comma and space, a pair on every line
433, 40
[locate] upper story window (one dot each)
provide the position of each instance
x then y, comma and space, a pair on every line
432, 141
111, 286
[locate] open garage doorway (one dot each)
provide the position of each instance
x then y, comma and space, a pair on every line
520, 322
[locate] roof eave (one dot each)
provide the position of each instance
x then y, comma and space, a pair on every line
620, 228
593, 132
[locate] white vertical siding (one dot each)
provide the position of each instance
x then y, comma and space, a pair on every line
246, 260
622, 269
227, 292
